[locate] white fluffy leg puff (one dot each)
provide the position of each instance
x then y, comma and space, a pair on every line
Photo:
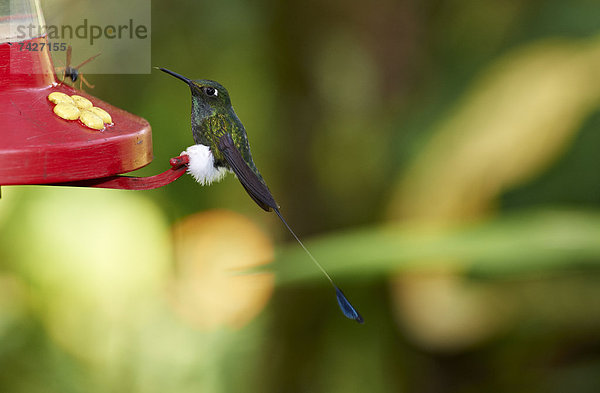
202, 165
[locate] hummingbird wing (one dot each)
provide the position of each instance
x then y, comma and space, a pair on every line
253, 185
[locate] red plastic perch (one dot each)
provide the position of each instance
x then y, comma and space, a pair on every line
178, 168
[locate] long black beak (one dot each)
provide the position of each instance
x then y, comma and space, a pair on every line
176, 75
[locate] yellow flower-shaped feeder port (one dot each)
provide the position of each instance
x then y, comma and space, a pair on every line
76, 107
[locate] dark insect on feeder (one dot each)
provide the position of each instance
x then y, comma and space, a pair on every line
73, 73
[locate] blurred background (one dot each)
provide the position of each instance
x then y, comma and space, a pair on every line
440, 158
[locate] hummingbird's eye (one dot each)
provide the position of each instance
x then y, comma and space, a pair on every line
210, 91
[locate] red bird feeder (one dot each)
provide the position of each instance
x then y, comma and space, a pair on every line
39, 147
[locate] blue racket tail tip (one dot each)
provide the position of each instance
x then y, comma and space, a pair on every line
346, 307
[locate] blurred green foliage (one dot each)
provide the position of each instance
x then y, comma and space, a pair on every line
439, 157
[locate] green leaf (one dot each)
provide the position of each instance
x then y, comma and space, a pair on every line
529, 241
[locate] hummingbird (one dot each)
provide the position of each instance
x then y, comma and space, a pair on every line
222, 146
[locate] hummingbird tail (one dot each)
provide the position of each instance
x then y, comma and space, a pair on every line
345, 305
304, 247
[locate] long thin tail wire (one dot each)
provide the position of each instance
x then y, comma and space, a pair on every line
304, 247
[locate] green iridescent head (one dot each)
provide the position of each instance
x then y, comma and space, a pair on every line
210, 95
